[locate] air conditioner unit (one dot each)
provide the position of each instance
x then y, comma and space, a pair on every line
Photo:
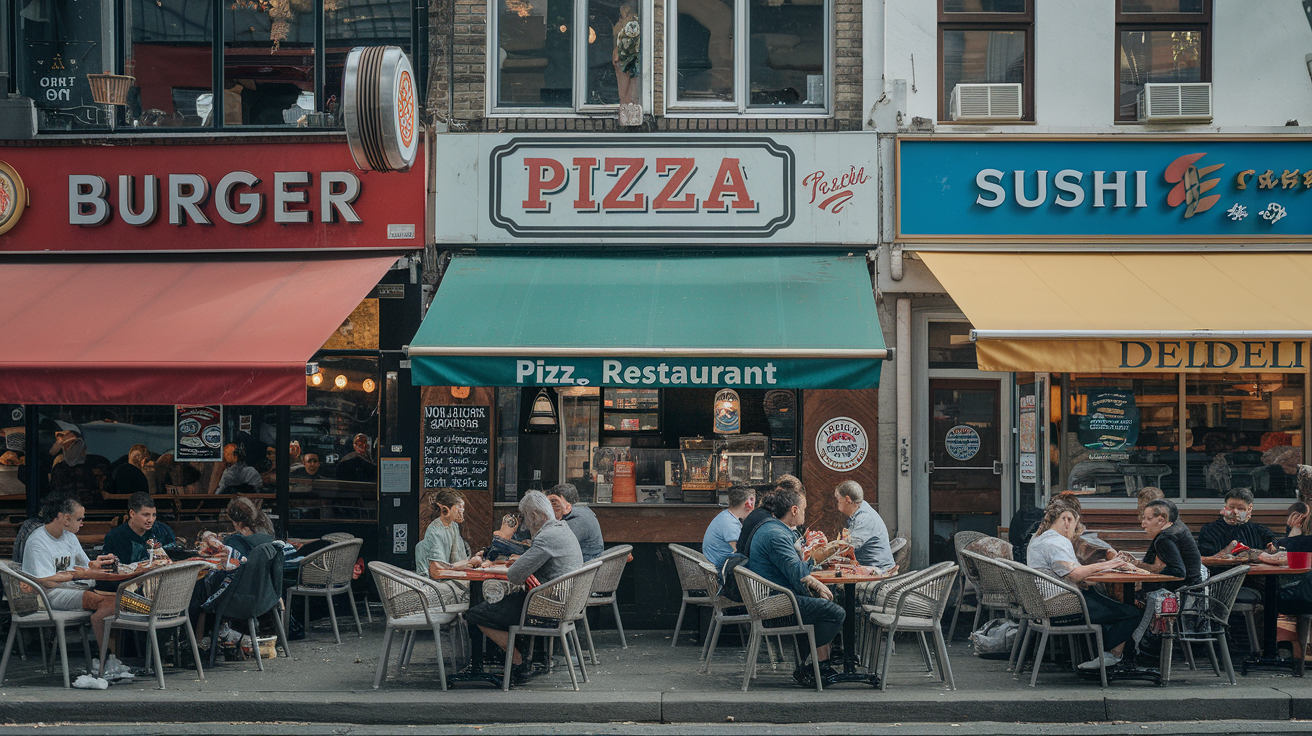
1175, 102
986, 102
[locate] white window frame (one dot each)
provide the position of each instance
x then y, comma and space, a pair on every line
580, 108
742, 88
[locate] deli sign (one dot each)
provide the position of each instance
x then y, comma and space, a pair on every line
795, 188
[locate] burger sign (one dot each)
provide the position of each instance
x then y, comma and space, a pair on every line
842, 444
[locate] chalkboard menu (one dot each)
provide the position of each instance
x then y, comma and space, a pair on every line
457, 446
1111, 421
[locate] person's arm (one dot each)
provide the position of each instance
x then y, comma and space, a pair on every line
1079, 573
779, 550
1169, 560
527, 564
1210, 540
1268, 537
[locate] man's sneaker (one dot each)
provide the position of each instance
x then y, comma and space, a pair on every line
804, 676
1106, 660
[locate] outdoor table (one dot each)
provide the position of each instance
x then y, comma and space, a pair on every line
475, 578
1128, 669
1270, 612
849, 582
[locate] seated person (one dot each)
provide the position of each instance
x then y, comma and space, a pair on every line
554, 552
866, 529
237, 473
53, 556
774, 557
251, 526
130, 541
721, 538
442, 543
764, 510
1171, 549
1234, 527
130, 477
1052, 552
1295, 522
580, 519
309, 467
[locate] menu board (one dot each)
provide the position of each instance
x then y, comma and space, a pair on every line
1111, 421
457, 447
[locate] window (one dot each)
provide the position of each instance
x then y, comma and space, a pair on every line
785, 65
280, 60
986, 42
1160, 41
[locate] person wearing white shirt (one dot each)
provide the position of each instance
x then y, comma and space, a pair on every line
54, 557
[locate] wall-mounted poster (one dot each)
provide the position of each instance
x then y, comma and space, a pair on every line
198, 434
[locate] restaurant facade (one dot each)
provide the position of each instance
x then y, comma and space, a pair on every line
1097, 314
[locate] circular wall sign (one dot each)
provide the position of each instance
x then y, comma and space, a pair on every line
962, 442
841, 444
380, 108
13, 197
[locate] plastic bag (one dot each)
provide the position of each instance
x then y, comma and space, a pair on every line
995, 638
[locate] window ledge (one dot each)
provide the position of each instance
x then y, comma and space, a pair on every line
755, 114
164, 135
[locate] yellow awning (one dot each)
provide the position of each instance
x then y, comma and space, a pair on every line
1159, 312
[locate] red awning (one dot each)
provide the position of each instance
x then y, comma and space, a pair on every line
163, 330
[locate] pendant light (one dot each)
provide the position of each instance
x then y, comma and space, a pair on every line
542, 417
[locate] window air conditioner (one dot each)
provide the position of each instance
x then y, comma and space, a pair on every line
1175, 102
986, 102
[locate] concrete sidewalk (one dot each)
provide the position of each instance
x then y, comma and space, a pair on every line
650, 682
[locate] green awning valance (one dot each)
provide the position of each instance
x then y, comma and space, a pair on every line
741, 321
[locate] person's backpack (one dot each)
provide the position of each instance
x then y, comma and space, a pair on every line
729, 581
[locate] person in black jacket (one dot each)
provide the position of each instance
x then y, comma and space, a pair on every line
1234, 527
1172, 550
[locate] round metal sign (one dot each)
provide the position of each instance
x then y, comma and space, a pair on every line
962, 442
13, 197
842, 444
381, 108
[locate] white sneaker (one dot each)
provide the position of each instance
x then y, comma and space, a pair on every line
1106, 660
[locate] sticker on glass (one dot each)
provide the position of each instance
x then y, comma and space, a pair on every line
962, 442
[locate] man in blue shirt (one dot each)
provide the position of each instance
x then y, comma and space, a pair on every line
721, 538
580, 519
129, 541
774, 557
866, 530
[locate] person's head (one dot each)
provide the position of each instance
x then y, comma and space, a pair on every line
141, 512
1070, 499
740, 498
1158, 514
1299, 518
247, 519
1061, 517
271, 455
360, 443
294, 450
536, 511
563, 496
788, 482
138, 454
233, 454
789, 507
63, 511
1149, 493
1238, 506
311, 461
848, 496
450, 505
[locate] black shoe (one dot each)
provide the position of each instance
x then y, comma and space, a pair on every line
520, 674
804, 676
827, 670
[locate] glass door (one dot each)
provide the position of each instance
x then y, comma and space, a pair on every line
965, 465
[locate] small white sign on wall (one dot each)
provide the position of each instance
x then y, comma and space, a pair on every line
400, 538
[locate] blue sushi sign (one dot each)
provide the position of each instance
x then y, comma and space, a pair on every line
1185, 190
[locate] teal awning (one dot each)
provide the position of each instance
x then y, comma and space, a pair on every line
739, 321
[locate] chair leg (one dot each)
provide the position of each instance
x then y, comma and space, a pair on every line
104, 648
1019, 669
587, 629
1250, 620
979, 614
1164, 659
578, 647
888, 660
1097, 652
22, 647
1073, 645
332, 614
1038, 659
195, 650
159, 662
282, 631
350, 595
1211, 657
63, 654
944, 664
441, 663
1224, 646
255, 643
510, 658
9, 645
214, 639
1188, 648
678, 623
924, 653
753, 645
407, 648
956, 610
711, 641
619, 624
382, 661
564, 642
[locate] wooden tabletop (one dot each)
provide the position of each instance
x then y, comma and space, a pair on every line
1228, 562
1129, 577
830, 577
1265, 569
479, 574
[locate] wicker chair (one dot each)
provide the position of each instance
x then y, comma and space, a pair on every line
443, 596
1045, 599
900, 547
918, 608
325, 574
766, 601
30, 608
994, 595
410, 607
563, 601
1205, 617
960, 541
727, 612
604, 585
687, 562
995, 577
167, 595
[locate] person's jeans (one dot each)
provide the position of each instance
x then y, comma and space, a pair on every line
826, 616
1118, 620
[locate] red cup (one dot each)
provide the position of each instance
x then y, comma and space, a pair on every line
1299, 560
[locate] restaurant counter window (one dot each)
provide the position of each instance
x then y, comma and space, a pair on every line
336, 476
1244, 431
1160, 41
786, 54
986, 42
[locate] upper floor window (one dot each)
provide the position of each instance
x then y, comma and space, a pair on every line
199, 64
986, 42
1160, 41
784, 65
567, 54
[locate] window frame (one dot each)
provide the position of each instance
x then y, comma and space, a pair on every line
1023, 21
1201, 22
580, 107
741, 105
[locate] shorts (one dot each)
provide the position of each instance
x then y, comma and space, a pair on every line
66, 599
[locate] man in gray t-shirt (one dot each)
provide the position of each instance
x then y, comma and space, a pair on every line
52, 555
580, 519
869, 535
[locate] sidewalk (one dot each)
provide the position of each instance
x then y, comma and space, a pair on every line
648, 683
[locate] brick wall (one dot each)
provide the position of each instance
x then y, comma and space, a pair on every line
458, 78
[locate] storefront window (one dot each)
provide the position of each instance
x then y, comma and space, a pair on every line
1160, 41
60, 42
268, 63
787, 53
351, 23
705, 51
335, 480
1121, 434
986, 42
1244, 431
950, 346
169, 52
579, 409
535, 53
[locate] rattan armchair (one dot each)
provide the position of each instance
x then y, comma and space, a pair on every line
166, 594
326, 574
409, 606
30, 608
917, 608
613, 562
960, 541
561, 601
766, 601
727, 612
687, 562
1204, 617
1046, 599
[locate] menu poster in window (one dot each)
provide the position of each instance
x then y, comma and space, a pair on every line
1028, 424
1111, 421
457, 447
198, 434
781, 413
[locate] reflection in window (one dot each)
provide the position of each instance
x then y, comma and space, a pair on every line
579, 428
1161, 6
1244, 431
13, 455
983, 6
950, 345
336, 432
535, 53
787, 53
1121, 433
705, 53
981, 57
351, 23
614, 46
169, 51
268, 63
60, 42
1157, 56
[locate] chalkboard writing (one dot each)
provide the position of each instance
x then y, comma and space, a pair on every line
1111, 421
456, 447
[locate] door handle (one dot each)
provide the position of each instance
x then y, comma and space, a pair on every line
929, 466
997, 467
